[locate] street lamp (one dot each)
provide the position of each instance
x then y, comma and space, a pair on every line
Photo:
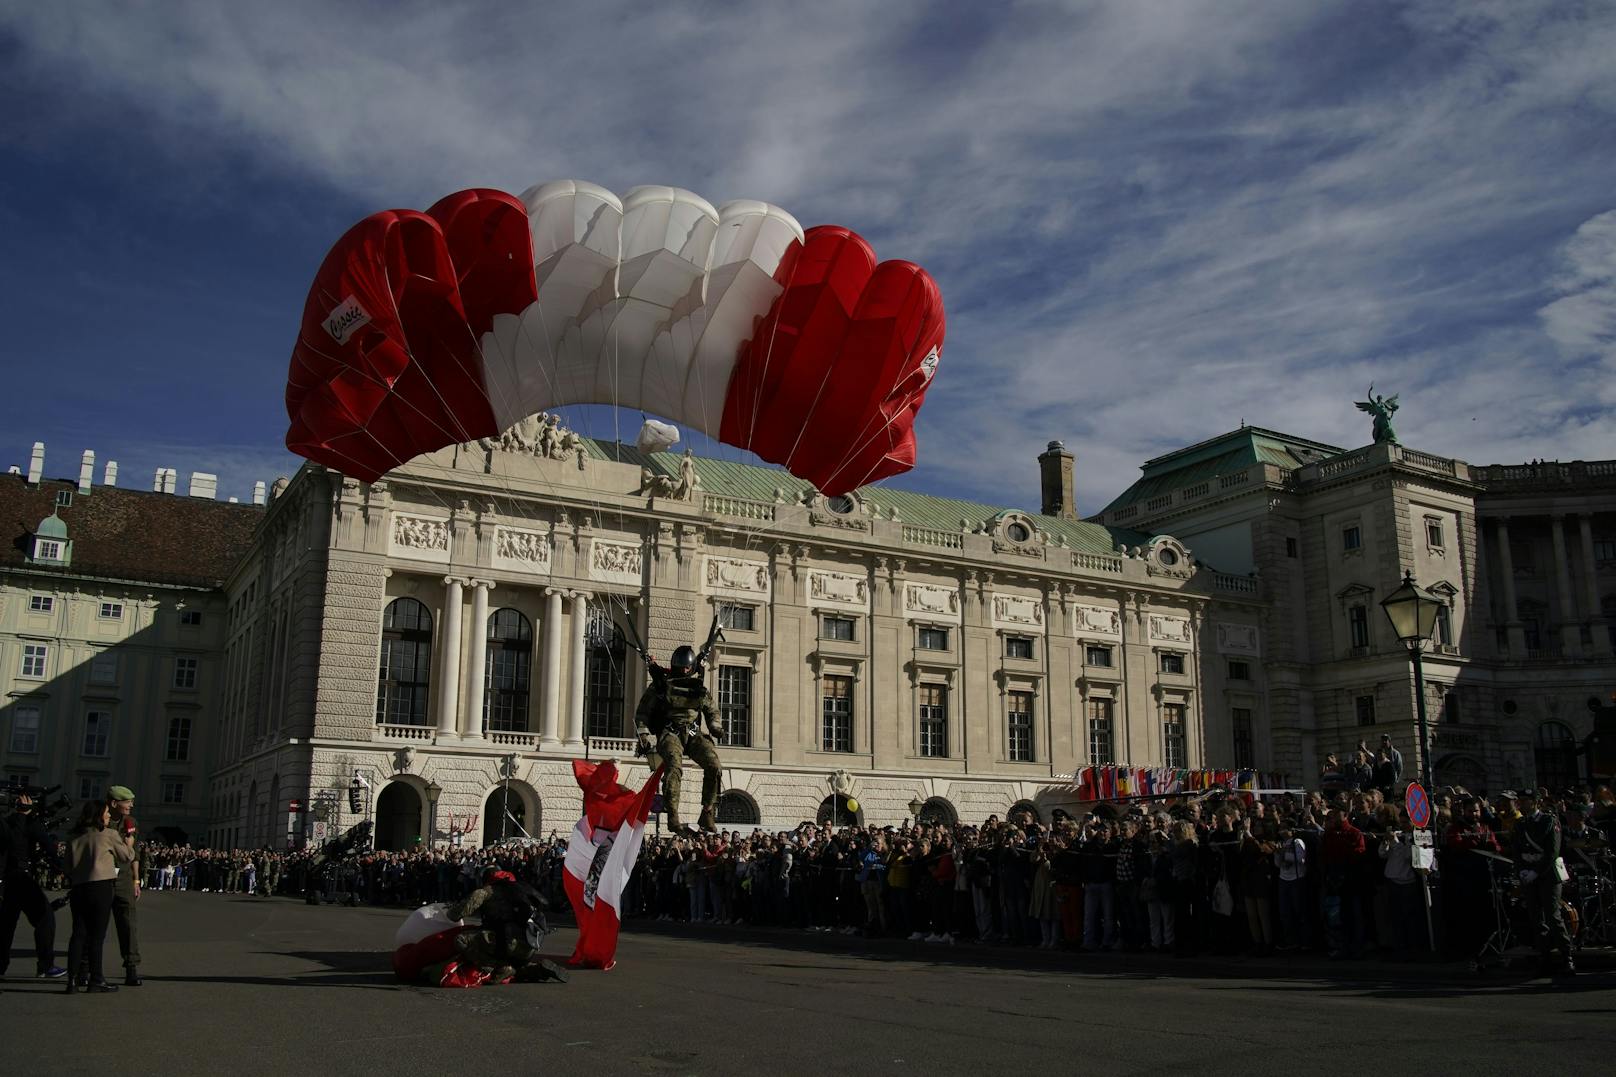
433, 792
915, 807
1412, 611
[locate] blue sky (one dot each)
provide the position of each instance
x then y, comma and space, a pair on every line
1150, 220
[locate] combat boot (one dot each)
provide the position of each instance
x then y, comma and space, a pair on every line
708, 820
677, 825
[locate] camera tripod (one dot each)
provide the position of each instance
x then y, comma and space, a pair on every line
1498, 943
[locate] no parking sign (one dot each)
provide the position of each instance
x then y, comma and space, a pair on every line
1419, 805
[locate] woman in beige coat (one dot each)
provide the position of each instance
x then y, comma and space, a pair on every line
94, 852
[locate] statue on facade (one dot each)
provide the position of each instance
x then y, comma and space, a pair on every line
1382, 408
685, 488
654, 485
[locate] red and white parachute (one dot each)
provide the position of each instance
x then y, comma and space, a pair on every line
427, 329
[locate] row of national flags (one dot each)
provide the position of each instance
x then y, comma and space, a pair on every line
1112, 782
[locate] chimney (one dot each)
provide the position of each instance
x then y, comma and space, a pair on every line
157, 481
111, 477
233, 500
204, 485
1055, 467
36, 463
167, 480
258, 492
86, 470
13, 470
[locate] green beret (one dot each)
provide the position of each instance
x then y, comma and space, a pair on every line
120, 792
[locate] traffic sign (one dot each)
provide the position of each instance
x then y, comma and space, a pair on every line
1419, 805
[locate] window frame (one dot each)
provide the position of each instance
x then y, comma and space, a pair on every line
35, 662
933, 633
1181, 757
110, 611
826, 620
1363, 705
191, 618
1243, 734
1240, 670
1013, 643
1091, 649
734, 714
177, 745
507, 671
836, 711
1020, 741
98, 661
397, 698
1351, 538
19, 712
172, 792
46, 549
41, 603
931, 717
187, 672
1165, 660
726, 612
1358, 626
103, 730
1435, 534
1100, 715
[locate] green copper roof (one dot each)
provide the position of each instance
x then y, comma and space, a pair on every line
760, 482
51, 527
1225, 454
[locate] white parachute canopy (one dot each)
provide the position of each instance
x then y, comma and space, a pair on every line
656, 436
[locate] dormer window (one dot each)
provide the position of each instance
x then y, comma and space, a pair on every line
47, 550
50, 542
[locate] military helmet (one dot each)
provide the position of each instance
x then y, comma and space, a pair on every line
684, 658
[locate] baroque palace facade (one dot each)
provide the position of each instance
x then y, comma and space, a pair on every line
456, 635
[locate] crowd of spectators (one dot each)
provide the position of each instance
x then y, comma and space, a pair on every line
1220, 873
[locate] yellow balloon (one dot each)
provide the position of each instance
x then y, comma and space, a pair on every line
852, 805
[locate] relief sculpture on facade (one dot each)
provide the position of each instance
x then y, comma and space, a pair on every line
1098, 621
926, 599
539, 435
1237, 638
1169, 629
838, 588
420, 533
1017, 610
730, 575
526, 547
616, 559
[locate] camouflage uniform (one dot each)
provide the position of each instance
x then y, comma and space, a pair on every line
671, 712
500, 944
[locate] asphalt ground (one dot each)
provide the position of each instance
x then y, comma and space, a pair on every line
239, 986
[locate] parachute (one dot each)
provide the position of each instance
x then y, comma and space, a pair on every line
423, 330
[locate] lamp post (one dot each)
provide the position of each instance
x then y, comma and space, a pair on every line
915, 807
433, 792
1412, 611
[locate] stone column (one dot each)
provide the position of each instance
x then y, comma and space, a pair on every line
550, 673
449, 662
1590, 579
471, 725
574, 739
1515, 632
1570, 637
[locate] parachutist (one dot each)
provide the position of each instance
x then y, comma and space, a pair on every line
676, 717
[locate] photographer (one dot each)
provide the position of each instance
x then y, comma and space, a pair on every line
27, 846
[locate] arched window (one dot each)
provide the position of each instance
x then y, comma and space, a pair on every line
937, 812
405, 672
735, 808
839, 810
1026, 810
1556, 757
603, 688
510, 672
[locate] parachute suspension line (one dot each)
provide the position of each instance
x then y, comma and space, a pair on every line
768, 354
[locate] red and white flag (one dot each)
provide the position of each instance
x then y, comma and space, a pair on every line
601, 855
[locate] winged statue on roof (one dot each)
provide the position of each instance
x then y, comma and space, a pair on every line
1382, 408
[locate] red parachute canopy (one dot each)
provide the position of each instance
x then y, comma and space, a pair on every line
423, 330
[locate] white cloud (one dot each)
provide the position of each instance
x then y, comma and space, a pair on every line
1149, 221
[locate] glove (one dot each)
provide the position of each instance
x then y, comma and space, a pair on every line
643, 741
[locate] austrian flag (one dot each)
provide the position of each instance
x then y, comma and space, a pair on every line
600, 857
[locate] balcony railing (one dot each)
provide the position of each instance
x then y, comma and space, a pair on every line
609, 748
512, 739
1240, 585
405, 732
1097, 562
928, 536
745, 508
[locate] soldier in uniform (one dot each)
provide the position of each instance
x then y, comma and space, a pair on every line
1535, 842
126, 890
669, 724
505, 944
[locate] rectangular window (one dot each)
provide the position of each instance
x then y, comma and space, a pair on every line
112, 611
1100, 741
837, 733
931, 639
1096, 655
1433, 532
836, 628
1245, 740
24, 729
179, 740
1018, 647
1239, 671
1019, 739
1365, 708
1172, 662
1352, 538
185, 673
33, 660
64, 499
934, 720
1291, 549
1174, 741
191, 618
735, 705
97, 733
1533, 633
40, 603
104, 668
1358, 625
1450, 708
1444, 627
739, 617
173, 792
47, 550
1605, 550
90, 786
